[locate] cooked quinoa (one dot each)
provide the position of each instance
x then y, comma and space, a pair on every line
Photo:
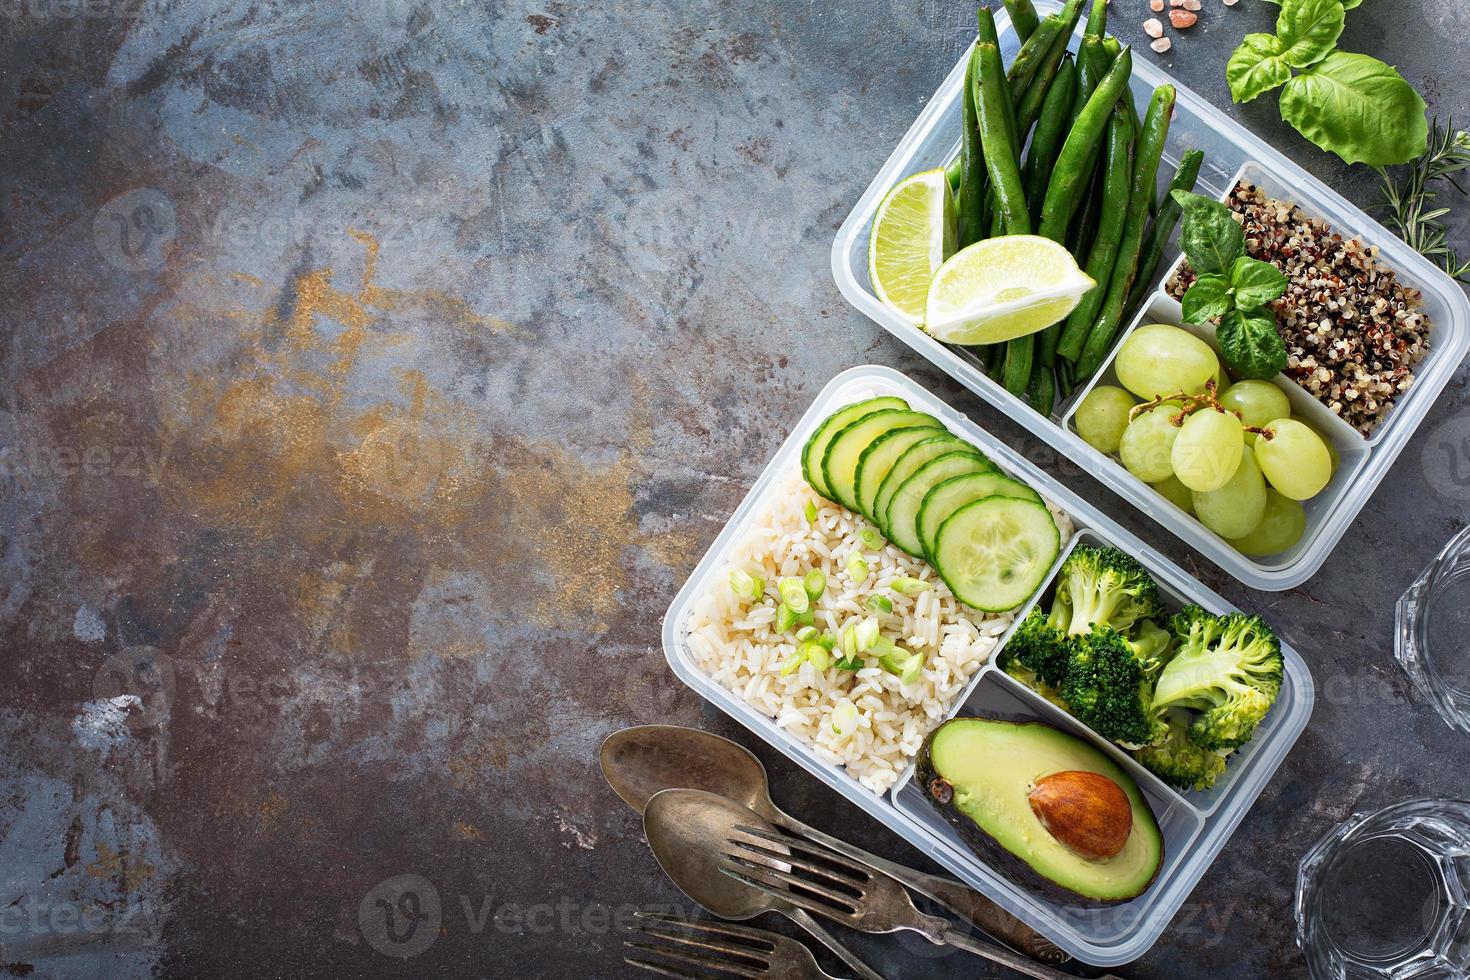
1353, 332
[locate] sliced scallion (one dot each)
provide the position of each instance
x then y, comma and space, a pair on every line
857, 569
785, 618
815, 583
880, 604
810, 510
793, 594
745, 585
806, 634
844, 717
867, 634
910, 586
871, 539
819, 656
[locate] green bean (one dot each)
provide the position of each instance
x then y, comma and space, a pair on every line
1032, 52
955, 169
1016, 372
1071, 173
1041, 390
1023, 18
1050, 131
1113, 215
1097, 20
971, 201
1163, 226
1066, 383
995, 136
1029, 102
1145, 177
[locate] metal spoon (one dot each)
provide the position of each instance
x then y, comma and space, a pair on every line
640, 762
686, 830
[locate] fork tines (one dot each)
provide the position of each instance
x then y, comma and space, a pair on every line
836, 891
694, 947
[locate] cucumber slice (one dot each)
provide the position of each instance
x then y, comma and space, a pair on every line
954, 493
816, 446
994, 553
878, 459
839, 463
902, 518
917, 455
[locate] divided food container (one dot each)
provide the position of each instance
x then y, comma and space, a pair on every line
1231, 152
1195, 825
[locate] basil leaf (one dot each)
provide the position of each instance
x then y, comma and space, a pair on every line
1308, 30
1211, 237
1250, 344
1208, 298
1256, 283
1256, 67
1359, 108
1346, 4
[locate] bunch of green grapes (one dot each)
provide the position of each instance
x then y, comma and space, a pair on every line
1240, 484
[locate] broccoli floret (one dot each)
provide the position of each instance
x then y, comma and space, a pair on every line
1106, 587
1108, 689
1153, 646
1179, 761
1227, 668
1038, 649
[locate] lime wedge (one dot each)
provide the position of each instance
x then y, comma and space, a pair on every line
913, 233
1003, 288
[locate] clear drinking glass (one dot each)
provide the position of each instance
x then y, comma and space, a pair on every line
1388, 895
1433, 619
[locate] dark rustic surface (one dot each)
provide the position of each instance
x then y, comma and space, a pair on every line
374, 372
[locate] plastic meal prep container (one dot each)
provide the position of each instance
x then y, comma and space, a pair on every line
1231, 152
1195, 825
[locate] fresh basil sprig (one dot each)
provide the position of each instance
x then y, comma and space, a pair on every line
1349, 104
1231, 287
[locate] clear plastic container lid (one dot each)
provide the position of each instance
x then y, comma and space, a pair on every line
1195, 825
1231, 151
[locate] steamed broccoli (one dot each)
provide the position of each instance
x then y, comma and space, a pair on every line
1228, 668
1178, 761
1036, 652
1108, 688
1106, 587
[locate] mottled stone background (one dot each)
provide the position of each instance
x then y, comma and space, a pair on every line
373, 374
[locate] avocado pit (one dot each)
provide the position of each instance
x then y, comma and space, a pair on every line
1086, 812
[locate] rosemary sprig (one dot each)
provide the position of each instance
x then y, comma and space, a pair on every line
1410, 202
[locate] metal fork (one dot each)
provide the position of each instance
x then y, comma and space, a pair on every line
852, 895
720, 947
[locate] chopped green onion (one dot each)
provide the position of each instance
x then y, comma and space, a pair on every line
793, 662
815, 583
910, 586
810, 511
844, 717
871, 539
818, 655
867, 634
884, 647
806, 619
880, 604
849, 641
828, 640
849, 663
857, 569
806, 633
793, 594
785, 619
745, 585
910, 672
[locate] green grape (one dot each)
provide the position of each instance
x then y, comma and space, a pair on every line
1158, 359
1208, 450
1258, 402
1147, 443
1102, 417
1176, 493
1281, 527
1331, 446
1236, 508
1295, 459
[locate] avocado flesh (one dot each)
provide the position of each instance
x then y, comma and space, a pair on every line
992, 766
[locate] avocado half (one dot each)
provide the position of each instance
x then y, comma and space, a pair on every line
983, 773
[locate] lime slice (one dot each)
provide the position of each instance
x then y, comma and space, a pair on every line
1003, 288
913, 233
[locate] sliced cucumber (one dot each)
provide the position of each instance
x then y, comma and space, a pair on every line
878, 459
954, 493
816, 446
917, 455
901, 521
840, 462
994, 553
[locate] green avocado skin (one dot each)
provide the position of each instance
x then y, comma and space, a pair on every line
992, 852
